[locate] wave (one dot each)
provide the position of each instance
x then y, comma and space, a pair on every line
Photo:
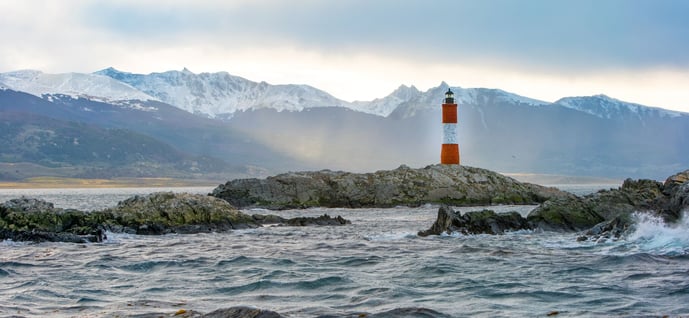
652, 235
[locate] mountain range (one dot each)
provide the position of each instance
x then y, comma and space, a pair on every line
220, 125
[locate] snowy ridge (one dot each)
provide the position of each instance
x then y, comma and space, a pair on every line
90, 86
222, 94
216, 94
606, 107
433, 97
386, 105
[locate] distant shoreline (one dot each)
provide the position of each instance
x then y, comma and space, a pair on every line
554, 179
57, 182
64, 182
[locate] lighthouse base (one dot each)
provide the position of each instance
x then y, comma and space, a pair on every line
449, 154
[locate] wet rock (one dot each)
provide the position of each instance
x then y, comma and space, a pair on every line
569, 214
42, 236
322, 220
449, 184
608, 230
28, 219
167, 212
478, 222
676, 188
242, 312
35, 220
608, 212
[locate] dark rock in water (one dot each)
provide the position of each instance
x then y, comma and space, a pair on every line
478, 222
167, 212
242, 312
676, 189
28, 219
569, 214
321, 220
608, 212
412, 312
268, 219
608, 230
35, 220
450, 184
248, 312
41, 236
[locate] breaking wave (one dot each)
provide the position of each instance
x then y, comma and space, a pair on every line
652, 235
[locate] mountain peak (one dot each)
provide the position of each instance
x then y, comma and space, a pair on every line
222, 94
92, 86
607, 107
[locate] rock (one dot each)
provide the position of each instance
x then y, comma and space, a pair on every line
242, 312
321, 220
570, 214
607, 213
248, 312
608, 230
35, 220
28, 219
676, 188
479, 222
42, 236
410, 312
449, 184
167, 212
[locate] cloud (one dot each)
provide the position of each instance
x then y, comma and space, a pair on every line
562, 35
361, 49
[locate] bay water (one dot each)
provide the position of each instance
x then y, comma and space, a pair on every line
374, 265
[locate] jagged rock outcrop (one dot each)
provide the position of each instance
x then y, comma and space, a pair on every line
477, 222
449, 184
607, 213
167, 212
27, 219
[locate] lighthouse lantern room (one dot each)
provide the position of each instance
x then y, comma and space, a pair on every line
449, 153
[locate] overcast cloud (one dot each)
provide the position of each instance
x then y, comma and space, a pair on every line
615, 47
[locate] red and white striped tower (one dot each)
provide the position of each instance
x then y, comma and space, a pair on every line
449, 153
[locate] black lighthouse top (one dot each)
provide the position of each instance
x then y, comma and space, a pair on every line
449, 97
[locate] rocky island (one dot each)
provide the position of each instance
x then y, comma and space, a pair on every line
605, 214
26, 219
436, 184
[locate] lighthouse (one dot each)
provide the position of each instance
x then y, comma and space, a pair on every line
449, 153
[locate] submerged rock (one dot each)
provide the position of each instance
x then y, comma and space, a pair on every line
478, 222
242, 312
449, 184
321, 220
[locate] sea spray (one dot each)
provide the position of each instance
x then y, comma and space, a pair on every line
652, 235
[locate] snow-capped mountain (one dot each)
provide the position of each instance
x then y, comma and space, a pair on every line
90, 86
609, 108
386, 105
433, 97
221, 94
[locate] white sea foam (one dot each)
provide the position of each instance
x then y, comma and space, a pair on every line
391, 236
653, 235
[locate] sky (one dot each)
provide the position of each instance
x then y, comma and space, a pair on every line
633, 50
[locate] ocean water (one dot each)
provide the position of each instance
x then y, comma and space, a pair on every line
374, 265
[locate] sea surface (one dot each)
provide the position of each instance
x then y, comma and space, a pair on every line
374, 265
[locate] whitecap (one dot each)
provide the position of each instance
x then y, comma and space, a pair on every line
652, 235
390, 236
